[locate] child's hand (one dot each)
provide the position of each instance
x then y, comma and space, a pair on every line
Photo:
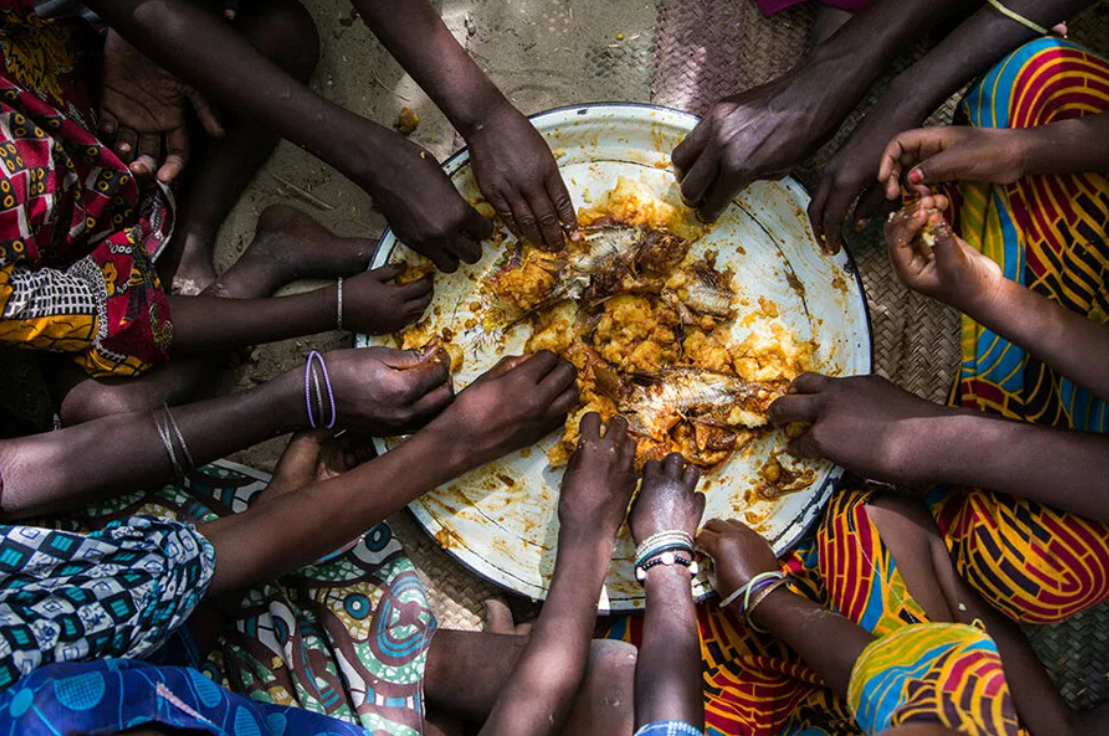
372, 306
738, 554
381, 391
866, 424
951, 153
668, 500
514, 405
947, 269
424, 209
518, 175
599, 480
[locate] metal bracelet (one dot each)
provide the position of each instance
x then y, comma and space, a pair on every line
339, 307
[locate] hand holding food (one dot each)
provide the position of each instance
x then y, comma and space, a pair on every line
425, 211
512, 406
374, 306
381, 391
518, 176
738, 554
931, 259
668, 500
952, 153
864, 423
599, 481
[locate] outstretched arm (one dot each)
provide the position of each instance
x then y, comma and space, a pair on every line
981, 40
595, 492
513, 164
486, 420
405, 181
766, 131
950, 270
877, 430
668, 670
828, 642
376, 390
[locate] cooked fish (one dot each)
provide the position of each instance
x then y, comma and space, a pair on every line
610, 260
678, 393
708, 291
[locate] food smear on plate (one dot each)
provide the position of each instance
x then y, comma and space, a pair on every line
647, 321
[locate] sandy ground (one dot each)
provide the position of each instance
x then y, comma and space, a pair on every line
541, 53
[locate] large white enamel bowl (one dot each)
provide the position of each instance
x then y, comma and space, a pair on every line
500, 520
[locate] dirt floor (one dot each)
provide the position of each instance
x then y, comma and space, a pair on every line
541, 53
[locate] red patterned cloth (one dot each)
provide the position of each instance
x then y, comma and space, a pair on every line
78, 235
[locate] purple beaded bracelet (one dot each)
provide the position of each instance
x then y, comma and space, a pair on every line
314, 355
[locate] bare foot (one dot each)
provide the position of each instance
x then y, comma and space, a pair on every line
194, 272
498, 619
304, 249
314, 456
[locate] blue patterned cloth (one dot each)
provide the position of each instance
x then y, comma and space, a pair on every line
669, 728
113, 695
117, 592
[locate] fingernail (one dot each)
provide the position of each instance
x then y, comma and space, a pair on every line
916, 176
124, 148
860, 224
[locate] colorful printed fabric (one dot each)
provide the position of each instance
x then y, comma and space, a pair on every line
116, 695
933, 673
348, 638
668, 728
78, 236
1033, 562
117, 592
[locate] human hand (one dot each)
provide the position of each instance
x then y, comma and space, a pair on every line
313, 456
424, 209
864, 423
140, 104
952, 153
381, 391
599, 480
515, 404
738, 554
373, 306
760, 133
518, 175
948, 269
849, 175
668, 500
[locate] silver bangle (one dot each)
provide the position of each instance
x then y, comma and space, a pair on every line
339, 307
172, 421
167, 443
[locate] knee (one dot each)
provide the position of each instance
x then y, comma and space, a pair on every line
94, 399
284, 32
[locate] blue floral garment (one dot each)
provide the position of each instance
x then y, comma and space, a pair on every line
114, 695
669, 728
120, 591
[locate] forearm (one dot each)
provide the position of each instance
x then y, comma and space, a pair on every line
668, 670
294, 529
860, 51
1076, 146
208, 54
1075, 346
1062, 468
552, 666
202, 323
980, 41
826, 641
418, 38
62, 470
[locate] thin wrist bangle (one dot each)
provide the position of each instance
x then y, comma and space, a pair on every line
742, 591
1017, 17
765, 593
339, 306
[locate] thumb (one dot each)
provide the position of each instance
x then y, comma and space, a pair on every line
949, 256
948, 165
406, 360
387, 273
